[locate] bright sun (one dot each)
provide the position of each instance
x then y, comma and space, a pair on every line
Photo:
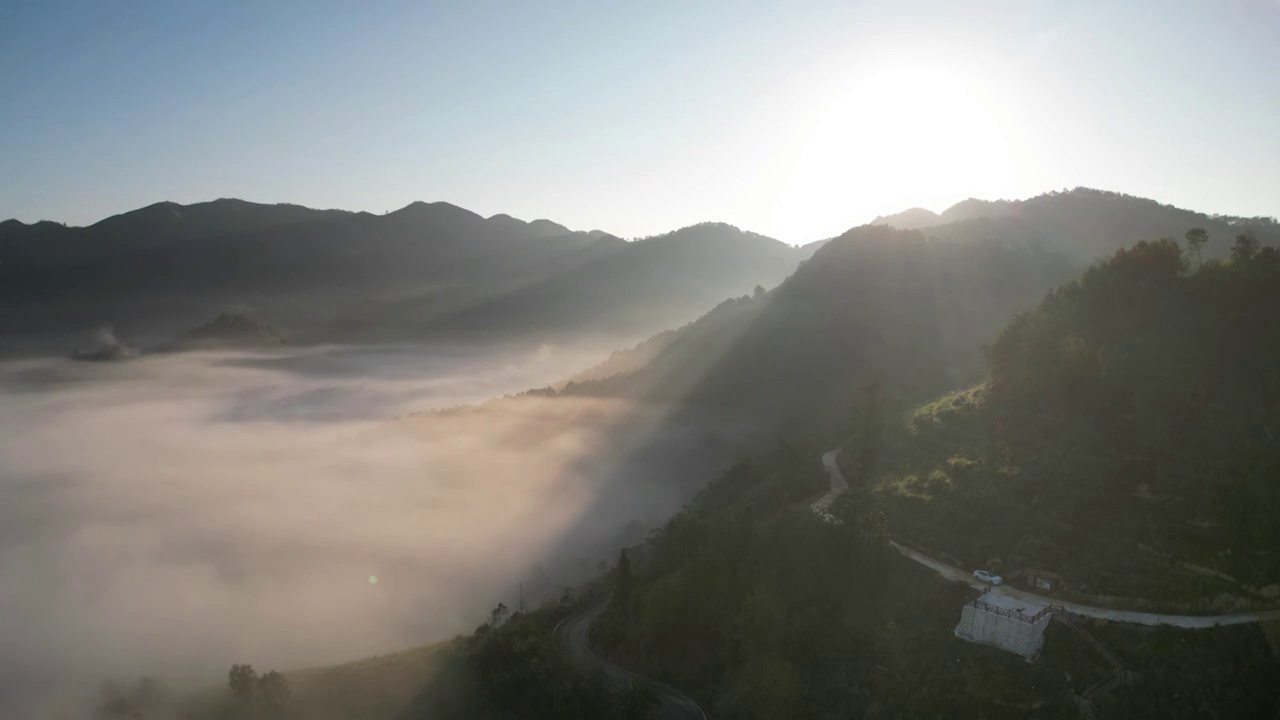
893, 138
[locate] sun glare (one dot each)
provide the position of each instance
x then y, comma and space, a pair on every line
892, 138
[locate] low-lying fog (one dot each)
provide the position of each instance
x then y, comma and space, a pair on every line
174, 514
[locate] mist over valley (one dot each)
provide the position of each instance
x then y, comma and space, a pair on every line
648, 361
172, 514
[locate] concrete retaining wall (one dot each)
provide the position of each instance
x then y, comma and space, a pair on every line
1012, 634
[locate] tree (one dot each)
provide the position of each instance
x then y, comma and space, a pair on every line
623, 581
273, 689
1245, 248
611, 626
867, 430
498, 614
1196, 239
242, 679
635, 702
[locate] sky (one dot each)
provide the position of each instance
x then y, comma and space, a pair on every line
795, 119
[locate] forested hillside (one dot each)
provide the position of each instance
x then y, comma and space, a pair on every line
873, 303
1127, 436
426, 270
172, 266
48, 244
510, 668
617, 286
751, 603
1086, 225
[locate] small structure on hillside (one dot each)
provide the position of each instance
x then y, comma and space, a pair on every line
1042, 580
1005, 622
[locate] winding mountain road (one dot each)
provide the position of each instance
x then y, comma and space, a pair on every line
839, 485
574, 632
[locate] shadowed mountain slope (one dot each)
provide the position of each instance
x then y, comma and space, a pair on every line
1124, 438
874, 304
634, 286
426, 269
1087, 225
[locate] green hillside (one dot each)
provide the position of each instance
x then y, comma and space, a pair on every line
1086, 225
1126, 437
873, 303
749, 602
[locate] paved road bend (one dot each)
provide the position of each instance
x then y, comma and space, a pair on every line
575, 633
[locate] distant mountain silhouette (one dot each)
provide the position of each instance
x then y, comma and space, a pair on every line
427, 268
1086, 225
438, 270
231, 329
539, 228
873, 304
910, 219
46, 243
643, 285
911, 309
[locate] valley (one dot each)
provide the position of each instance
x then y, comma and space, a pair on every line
640, 361
408, 484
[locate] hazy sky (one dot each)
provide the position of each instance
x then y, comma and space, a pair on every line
796, 119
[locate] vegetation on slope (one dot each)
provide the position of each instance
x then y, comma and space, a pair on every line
426, 269
1125, 439
750, 602
1086, 225
510, 668
638, 285
873, 303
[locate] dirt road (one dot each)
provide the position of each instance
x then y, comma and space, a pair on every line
839, 485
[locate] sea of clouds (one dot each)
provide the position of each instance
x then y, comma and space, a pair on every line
173, 514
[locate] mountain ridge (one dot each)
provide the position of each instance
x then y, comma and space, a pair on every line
339, 275
1087, 224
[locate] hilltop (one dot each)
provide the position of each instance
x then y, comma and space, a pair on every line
873, 303
911, 308
1086, 224
696, 266
424, 271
